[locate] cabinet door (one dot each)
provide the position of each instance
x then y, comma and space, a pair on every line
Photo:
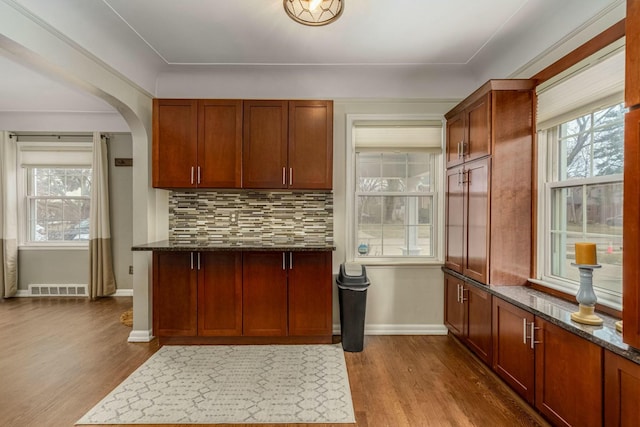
478, 122
175, 281
175, 140
621, 391
264, 294
476, 215
454, 220
220, 294
310, 145
632, 56
631, 230
453, 307
568, 377
219, 143
264, 144
455, 139
310, 294
478, 321
513, 354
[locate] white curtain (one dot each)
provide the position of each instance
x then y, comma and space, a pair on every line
102, 281
8, 215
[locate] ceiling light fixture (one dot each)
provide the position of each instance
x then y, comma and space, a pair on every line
314, 12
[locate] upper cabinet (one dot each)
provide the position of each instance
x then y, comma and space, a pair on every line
264, 157
250, 144
197, 143
489, 183
288, 145
632, 55
311, 144
469, 131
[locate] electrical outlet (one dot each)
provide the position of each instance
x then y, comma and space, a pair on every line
233, 218
131, 269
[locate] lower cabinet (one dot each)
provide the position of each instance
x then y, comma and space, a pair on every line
468, 315
213, 295
568, 377
621, 391
287, 294
175, 294
513, 349
197, 293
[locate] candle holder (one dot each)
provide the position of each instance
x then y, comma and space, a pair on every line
586, 297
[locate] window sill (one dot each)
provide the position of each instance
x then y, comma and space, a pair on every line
408, 262
55, 247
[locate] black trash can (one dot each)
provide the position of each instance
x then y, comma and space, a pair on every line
352, 292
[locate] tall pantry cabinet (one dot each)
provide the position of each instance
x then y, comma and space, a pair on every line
489, 187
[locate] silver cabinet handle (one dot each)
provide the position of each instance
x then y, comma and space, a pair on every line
284, 176
198, 260
290, 260
524, 331
198, 175
462, 294
290, 176
283, 261
463, 149
458, 295
533, 335
191, 174
192, 260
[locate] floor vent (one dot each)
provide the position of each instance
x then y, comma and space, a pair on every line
57, 290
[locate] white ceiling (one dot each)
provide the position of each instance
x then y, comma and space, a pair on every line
142, 39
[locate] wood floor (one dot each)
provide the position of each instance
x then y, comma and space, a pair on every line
59, 357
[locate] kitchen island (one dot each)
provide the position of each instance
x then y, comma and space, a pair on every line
241, 291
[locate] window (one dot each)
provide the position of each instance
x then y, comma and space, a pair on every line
584, 194
58, 204
394, 203
580, 124
394, 188
55, 190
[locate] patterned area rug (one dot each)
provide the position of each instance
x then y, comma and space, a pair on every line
232, 384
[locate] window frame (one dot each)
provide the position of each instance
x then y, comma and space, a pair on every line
81, 153
548, 181
351, 241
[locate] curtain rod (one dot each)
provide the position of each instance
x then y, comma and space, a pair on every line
55, 135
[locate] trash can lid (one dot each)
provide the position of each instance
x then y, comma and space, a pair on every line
352, 276
353, 269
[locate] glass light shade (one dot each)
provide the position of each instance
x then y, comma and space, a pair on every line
325, 13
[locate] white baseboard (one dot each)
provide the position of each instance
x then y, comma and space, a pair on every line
403, 329
140, 336
123, 293
22, 293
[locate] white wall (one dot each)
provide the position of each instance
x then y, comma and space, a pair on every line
120, 205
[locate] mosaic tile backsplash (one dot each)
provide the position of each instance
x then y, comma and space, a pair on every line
261, 216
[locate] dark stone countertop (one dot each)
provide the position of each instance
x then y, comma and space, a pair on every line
234, 245
558, 312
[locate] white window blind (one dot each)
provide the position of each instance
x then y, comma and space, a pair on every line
593, 83
422, 136
52, 154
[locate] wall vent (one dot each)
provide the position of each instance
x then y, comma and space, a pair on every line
48, 290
